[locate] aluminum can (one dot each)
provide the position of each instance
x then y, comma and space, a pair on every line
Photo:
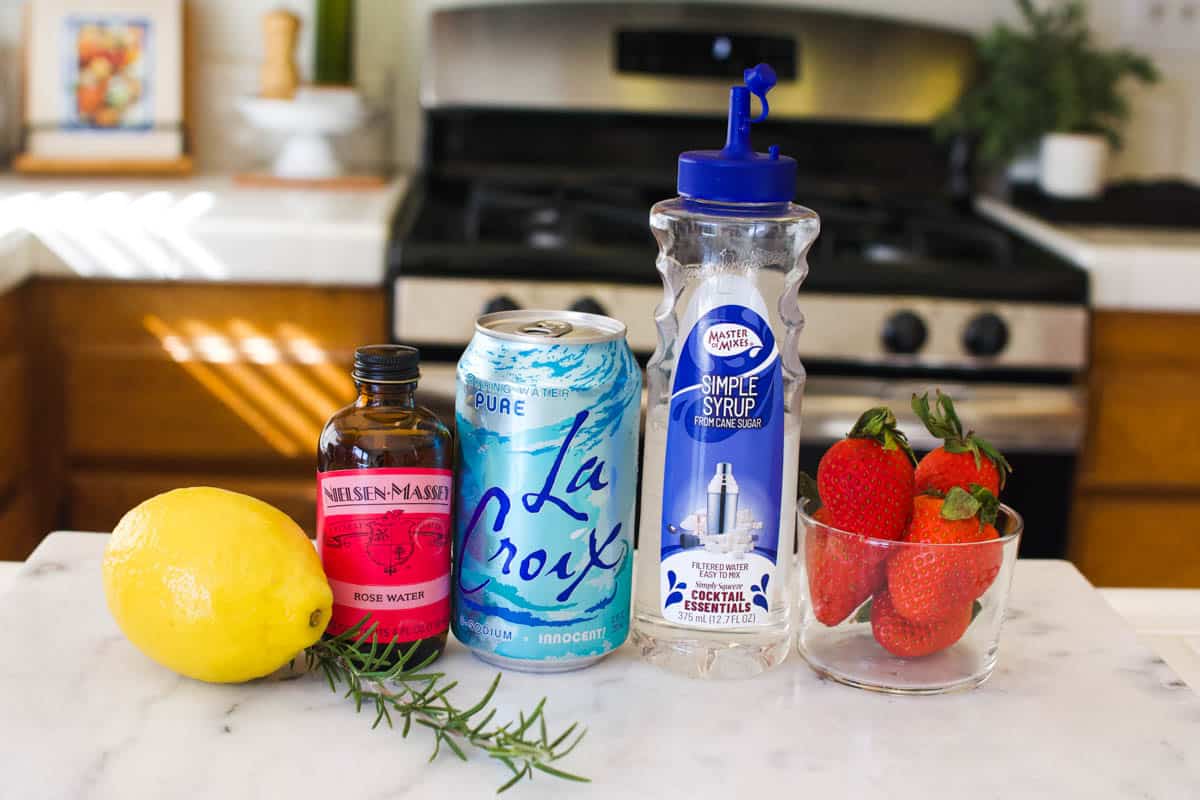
547, 408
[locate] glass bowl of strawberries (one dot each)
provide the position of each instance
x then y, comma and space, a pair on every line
904, 573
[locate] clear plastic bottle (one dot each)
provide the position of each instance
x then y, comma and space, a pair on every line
725, 386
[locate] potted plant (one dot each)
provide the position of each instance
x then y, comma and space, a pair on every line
1049, 87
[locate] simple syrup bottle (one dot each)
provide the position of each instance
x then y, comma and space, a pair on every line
384, 484
725, 385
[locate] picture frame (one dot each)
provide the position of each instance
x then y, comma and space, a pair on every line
104, 87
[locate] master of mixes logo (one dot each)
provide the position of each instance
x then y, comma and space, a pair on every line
726, 339
390, 539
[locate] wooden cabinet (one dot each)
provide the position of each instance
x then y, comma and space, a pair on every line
98, 497
1133, 538
1136, 520
113, 392
143, 387
19, 459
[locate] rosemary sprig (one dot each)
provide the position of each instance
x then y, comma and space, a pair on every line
406, 691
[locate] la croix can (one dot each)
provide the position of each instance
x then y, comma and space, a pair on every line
547, 407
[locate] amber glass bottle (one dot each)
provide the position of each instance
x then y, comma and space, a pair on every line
384, 485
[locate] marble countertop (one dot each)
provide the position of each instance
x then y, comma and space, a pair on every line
1132, 269
8, 574
1077, 708
208, 229
194, 229
1168, 620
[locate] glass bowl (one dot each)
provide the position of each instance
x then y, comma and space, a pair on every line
859, 598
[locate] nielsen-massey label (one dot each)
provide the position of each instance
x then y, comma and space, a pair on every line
384, 540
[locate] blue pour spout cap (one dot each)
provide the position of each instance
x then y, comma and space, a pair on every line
735, 173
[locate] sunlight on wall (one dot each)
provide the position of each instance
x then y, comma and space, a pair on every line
283, 386
218, 387
306, 351
262, 350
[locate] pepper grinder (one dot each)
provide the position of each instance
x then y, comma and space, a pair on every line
279, 77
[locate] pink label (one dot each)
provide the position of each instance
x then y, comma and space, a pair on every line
384, 539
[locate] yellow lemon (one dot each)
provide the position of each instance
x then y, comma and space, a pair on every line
215, 585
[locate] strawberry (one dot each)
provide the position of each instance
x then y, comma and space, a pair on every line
906, 639
928, 584
844, 569
866, 479
963, 459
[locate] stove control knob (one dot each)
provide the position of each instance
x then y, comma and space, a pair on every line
904, 333
500, 302
588, 305
985, 335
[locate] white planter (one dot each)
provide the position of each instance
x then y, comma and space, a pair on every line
1073, 164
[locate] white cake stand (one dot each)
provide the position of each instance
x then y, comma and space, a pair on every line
308, 120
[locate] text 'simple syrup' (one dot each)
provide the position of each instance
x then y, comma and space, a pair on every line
547, 408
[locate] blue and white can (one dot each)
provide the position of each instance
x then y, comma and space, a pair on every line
548, 408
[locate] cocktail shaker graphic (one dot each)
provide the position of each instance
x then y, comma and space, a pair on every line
722, 500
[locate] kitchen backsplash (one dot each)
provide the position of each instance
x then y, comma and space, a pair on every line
225, 40
1163, 139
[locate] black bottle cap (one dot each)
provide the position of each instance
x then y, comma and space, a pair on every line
386, 363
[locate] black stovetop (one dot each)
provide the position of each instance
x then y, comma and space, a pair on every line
523, 222
566, 196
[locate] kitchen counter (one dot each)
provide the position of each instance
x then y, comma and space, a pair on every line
1131, 269
1077, 708
8, 574
208, 229
242, 305
1168, 620
196, 229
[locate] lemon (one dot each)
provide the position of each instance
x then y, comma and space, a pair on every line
215, 585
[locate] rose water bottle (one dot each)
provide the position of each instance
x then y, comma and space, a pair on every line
724, 398
384, 485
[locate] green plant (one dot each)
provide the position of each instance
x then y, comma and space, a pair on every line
400, 689
1051, 77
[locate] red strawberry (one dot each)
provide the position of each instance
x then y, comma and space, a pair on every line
906, 639
964, 459
928, 584
866, 480
843, 570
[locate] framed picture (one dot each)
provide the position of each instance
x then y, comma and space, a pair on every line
104, 80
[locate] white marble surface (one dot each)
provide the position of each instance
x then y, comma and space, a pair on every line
1135, 269
1077, 708
8, 574
1168, 621
195, 229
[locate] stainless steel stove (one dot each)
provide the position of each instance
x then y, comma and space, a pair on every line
552, 129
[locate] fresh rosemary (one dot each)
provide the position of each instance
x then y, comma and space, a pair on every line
414, 695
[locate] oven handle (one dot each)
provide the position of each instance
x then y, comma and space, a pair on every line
1013, 417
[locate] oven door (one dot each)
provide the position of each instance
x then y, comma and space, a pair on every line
1039, 429
436, 389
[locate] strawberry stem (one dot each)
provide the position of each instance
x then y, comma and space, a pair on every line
945, 425
808, 491
879, 423
979, 502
